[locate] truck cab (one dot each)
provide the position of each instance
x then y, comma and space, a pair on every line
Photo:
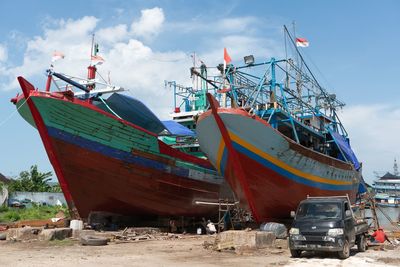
326, 224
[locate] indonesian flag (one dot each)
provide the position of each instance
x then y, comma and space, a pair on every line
302, 42
97, 60
223, 90
227, 59
57, 55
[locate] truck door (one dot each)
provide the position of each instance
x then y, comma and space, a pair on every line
349, 224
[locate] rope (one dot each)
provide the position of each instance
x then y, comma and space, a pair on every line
388, 218
13, 113
112, 111
98, 73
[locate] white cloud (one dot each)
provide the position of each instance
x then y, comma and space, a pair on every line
238, 24
112, 34
222, 27
373, 131
149, 24
72, 37
3, 53
131, 63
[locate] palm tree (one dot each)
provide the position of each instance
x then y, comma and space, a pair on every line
31, 181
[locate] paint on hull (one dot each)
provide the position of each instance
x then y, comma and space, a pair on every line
269, 173
108, 164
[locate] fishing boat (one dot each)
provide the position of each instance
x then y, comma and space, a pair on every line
386, 200
387, 188
114, 155
275, 135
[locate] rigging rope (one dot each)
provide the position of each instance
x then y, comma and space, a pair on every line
112, 111
13, 113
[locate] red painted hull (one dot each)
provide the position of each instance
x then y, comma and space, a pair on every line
95, 176
100, 183
269, 173
276, 195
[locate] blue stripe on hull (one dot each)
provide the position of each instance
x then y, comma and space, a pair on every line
283, 172
118, 154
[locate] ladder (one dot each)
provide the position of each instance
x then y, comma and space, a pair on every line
224, 209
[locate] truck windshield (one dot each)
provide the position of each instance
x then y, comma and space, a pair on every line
319, 211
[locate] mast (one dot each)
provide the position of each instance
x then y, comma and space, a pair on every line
92, 68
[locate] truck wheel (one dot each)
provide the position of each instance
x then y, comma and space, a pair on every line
361, 244
295, 253
345, 253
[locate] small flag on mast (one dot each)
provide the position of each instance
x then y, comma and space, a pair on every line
57, 55
97, 60
302, 42
227, 59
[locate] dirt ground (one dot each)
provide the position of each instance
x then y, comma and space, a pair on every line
187, 251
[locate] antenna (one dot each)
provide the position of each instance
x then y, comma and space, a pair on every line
91, 48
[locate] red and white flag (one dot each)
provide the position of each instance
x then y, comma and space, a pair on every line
302, 42
227, 58
57, 55
223, 90
97, 60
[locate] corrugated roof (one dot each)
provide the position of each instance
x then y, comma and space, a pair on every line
4, 179
389, 176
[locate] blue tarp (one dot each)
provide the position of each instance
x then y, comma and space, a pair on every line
344, 146
134, 111
362, 188
177, 129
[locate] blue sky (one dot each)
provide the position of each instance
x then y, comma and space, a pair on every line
352, 43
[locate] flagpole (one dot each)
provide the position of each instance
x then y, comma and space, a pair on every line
91, 49
294, 34
286, 57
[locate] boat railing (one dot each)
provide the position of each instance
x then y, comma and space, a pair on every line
86, 86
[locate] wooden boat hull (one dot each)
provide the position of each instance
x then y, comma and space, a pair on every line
104, 163
269, 173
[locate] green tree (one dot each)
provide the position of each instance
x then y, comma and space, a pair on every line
31, 181
56, 189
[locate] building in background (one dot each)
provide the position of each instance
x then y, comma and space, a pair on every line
387, 188
40, 198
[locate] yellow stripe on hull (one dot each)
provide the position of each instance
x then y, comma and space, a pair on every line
275, 161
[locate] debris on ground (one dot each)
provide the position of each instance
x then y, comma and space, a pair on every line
47, 223
142, 234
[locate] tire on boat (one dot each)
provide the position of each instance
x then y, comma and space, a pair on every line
93, 241
3, 236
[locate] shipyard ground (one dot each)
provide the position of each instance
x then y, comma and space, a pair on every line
187, 251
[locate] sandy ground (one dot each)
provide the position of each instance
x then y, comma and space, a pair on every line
188, 251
